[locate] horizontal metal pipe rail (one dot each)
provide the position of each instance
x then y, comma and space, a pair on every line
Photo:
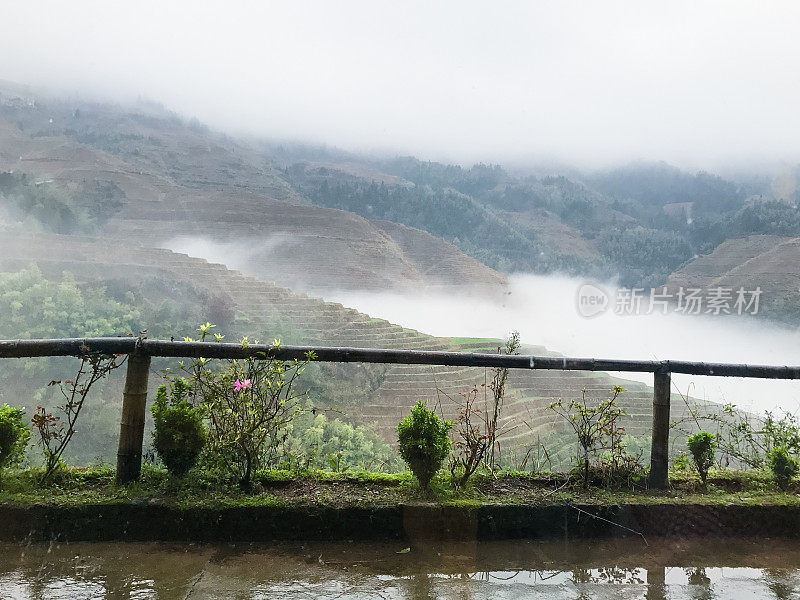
142, 349
182, 349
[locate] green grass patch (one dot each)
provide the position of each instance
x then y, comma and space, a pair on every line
490, 344
96, 485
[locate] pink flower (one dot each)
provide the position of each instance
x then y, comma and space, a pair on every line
241, 385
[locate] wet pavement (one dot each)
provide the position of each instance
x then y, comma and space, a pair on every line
622, 568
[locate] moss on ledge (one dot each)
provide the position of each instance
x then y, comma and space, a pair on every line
86, 504
81, 486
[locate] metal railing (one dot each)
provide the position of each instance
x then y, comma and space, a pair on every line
140, 351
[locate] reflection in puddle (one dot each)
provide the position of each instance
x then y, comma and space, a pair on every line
664, 569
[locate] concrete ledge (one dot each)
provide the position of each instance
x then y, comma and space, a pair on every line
156, 522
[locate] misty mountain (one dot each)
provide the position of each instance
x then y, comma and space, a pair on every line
639, 223
144, 172
108, 163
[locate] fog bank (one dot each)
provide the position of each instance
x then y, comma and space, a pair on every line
694, 82
239, 254
544, 311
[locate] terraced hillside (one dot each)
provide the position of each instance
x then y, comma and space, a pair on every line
145, 137
270, 309
526, 421
177, 183
319, 245
442, 265
758, 261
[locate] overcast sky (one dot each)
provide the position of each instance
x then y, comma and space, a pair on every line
696, 83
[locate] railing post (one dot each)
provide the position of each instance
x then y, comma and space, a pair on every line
659, 452
131, 428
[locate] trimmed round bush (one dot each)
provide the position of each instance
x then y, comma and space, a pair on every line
784, 467
179, 435
424, 444
702, 445
14, 435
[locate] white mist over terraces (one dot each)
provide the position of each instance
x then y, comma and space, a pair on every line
544, 310
237, 254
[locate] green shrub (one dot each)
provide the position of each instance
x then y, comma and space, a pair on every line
596, 426
250, 403
14, 435
179, 435
681, 462
702, 445
784, 467
334, 444
423, 442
